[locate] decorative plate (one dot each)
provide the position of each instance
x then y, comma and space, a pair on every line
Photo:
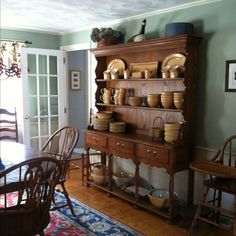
117, 64
175, 59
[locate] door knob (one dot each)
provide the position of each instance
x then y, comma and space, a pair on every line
27, 117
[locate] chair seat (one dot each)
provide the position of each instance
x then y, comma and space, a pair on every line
214, 169
224, 185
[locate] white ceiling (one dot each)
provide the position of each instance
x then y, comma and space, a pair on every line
61, 16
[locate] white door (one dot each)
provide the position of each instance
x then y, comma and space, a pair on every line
44, 94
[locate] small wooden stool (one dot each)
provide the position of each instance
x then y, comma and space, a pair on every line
88, 162
76, 160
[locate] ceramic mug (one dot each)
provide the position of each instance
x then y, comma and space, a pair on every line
126, 74
147, 73
106, 91
106, 99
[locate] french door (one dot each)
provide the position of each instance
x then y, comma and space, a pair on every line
44, 94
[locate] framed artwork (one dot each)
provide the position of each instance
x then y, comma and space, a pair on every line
230, 76
75, 80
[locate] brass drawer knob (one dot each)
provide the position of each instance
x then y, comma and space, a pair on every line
95, 139
153, 153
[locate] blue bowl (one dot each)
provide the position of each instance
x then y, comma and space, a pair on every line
179, 28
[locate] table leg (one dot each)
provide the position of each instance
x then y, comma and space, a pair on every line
110, 172
190, 186
137, 180
171, 198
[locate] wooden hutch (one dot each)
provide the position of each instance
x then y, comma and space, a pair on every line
136, 144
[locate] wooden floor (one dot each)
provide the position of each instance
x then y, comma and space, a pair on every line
143, 221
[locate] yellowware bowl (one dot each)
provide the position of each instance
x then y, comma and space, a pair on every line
178, 105
153, 96
99, 170
159, 198
135, 101
172, 132
170, 139
100, 179
153, 103
123, 179
178, 94
167, 95
167, 105
173, 125
104, 115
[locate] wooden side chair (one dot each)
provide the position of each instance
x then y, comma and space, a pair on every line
26, 192
8, 125
60, 145
222, 179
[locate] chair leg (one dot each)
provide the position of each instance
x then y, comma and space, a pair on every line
218, 205
197, 213
83, 166
68, 199
234, 219
68, 171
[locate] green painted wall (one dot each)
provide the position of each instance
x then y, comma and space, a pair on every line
74, 38
39, 40
216, 23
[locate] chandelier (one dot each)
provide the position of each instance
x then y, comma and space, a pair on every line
10, 58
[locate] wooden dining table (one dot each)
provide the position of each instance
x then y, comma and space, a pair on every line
12, 153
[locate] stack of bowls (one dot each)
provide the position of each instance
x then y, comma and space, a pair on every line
153, 100
135, 101
167, 99
172, 131
102, 120
101, 124
117, 127
178, 99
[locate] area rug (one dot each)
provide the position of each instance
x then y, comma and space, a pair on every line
88, 221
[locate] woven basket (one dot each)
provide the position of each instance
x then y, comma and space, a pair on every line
108, 40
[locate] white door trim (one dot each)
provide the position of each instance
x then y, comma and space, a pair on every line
77, 47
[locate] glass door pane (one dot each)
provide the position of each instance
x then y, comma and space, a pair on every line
43, 115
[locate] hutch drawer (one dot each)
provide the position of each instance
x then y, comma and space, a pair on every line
121, 148
151, 155
96, 141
